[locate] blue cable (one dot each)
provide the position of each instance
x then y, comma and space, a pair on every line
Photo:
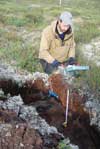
53, 94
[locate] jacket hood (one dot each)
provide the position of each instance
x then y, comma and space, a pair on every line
53, 26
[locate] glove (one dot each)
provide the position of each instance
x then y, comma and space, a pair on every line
55, 63
71, 61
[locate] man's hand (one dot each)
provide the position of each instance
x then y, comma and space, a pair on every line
71, 61
55, 63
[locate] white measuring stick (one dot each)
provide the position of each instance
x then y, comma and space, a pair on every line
67, 102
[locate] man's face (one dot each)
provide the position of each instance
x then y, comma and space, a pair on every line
63, 27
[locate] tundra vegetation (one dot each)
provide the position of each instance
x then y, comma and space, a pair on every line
21, 24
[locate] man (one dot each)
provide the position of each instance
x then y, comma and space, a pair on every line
57, 43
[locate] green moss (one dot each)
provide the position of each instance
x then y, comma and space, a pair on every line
86, 32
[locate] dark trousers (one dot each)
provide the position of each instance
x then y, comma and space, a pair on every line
47, 67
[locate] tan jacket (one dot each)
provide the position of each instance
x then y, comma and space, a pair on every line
52, 47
